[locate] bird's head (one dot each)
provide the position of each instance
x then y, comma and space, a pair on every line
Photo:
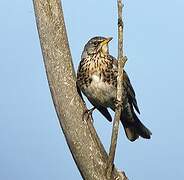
97, 45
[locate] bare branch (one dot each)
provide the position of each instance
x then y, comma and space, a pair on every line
121, 63
85, 146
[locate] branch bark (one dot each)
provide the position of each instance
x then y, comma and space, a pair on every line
84, 144
121, 63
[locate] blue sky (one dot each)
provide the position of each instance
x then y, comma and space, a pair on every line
32, 144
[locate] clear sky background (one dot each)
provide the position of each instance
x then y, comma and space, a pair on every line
32, 146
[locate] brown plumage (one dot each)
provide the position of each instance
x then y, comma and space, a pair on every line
97, 79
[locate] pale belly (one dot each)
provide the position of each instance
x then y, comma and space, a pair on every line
100, 92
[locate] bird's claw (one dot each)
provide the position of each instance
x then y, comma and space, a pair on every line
125, 59
118, 104
88, 113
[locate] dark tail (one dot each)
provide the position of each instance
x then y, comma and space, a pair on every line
133, 126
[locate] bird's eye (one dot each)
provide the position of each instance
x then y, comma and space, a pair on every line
95, 43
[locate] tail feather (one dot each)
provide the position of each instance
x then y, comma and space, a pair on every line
134, 127
131, 133
141, 129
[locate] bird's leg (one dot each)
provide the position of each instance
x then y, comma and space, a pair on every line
88, 112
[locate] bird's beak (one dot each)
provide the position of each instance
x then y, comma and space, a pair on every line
106, 41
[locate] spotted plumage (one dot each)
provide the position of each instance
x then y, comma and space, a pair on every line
97, 79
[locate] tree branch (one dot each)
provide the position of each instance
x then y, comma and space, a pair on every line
85, 146
121, 63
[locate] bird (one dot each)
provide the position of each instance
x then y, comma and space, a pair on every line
97, 80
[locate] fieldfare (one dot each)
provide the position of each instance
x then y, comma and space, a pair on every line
97, 79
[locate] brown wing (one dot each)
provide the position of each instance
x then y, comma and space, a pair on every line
127, 85
130, 92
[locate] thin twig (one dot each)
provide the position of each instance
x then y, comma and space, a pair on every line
121, 63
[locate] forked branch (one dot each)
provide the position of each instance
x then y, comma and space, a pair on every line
85, 146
